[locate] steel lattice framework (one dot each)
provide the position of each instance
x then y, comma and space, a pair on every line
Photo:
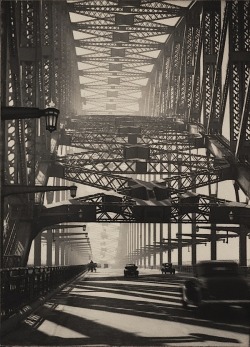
141, 86
38, 67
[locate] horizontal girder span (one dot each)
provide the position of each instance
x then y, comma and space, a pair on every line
125, 211
180, 183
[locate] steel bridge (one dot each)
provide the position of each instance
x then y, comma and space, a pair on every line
154, 118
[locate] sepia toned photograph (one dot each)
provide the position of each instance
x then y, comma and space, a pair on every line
125, 173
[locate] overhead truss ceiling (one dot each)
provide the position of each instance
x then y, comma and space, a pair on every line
117, 43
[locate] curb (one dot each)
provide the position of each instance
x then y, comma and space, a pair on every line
9, 324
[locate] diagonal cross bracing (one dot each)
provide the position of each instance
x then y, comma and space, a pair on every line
181, 183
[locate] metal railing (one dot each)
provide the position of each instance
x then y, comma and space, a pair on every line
22, 286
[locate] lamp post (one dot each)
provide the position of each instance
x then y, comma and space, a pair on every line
51, 115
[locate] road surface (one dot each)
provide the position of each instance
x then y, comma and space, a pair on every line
103, 308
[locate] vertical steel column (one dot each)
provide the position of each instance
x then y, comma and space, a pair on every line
57, 248
169, 244
62, 246
49, 247
140, 243
161, 240
127, 242
144, 245
213, 242
66, 252
131, 242
149, 244
244, 230
169, 224
37, 249
154, 241
134, 243
194, 248
179, 224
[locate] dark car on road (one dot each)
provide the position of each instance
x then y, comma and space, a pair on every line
130, 270
167, 268
216, 283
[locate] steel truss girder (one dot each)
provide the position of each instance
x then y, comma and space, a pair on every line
95, 209
110, 147
127, 66
144, 137
144, 121
102, 51
124, 60
107, 87
211, 41
239, 72
159, 162
136, 166
179, 183
142, 36
145, 129
183, 158
95, 27
95, 145
215, 116
156, 9
121, 74
110, 44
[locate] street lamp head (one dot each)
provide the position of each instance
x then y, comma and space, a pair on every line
51, 115
197, 228
73, 190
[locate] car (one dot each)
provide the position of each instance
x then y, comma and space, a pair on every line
216, 283
130, 270
167, 267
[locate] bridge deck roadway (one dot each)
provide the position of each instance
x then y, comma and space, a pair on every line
103, 308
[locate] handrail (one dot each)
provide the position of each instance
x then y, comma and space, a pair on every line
21, 286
